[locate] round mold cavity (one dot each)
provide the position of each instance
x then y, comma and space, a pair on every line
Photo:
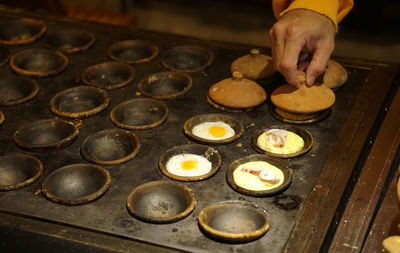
234, 221
303, 133
4, 55
70, 41
227, 109
18, 170
38, 62
16, 90
79, 102
133, 51
165, 85
1, 117
187, 58
161, 201
109, 75
21, 31
295, 118
76, 184
209, 153
110, 147
236, 125
45, 135
281, 164
139, 114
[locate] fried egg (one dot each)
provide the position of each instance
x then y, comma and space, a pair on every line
244, 177
293, 143
188, 165
217, 130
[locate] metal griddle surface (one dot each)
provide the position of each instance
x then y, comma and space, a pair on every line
109, 213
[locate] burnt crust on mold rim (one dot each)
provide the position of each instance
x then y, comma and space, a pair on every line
195, 120
47, 128
1, 118
148, 53
17, 90
303, 133
96, 179
102, 75
298, 119
130, 145
221, 221
228, 109
155, 84
141, 204
35, 28
281, 164
95, 99
153, 107
5, 55
183, 55
70, 41
209, 153
18, 171
24, 62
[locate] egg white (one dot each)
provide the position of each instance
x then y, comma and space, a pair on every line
174, 165
202, 130
252, 182
293, 143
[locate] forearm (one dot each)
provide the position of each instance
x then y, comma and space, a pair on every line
335, 10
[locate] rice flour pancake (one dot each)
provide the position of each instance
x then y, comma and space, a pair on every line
254, 65
303, 99
292, 142
237, 92
335, 75
246, 176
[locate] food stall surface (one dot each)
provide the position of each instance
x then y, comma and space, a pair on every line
300, 215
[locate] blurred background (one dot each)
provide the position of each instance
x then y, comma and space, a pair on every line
371, 31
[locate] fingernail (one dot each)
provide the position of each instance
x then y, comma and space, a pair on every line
310, 80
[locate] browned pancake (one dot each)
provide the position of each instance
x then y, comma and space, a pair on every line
295, 116
254, 65
304, 99
335, 75
237, 92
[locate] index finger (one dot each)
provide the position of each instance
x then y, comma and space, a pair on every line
289, 60
277, 45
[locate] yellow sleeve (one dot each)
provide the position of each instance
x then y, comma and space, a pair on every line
336, 10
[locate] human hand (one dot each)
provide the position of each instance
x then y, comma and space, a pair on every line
295, 30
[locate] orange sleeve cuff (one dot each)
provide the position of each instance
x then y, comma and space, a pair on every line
336, 10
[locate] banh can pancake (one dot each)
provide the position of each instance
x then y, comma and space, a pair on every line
237, 92
335, 75
254, 65
303, 99
258, 176
280, 141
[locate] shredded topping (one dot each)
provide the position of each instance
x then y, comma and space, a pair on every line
254, 171
277, 137
268, 177
264, 175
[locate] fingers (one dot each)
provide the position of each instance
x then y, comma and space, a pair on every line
286, 46
290, 58
319, 61
277, 44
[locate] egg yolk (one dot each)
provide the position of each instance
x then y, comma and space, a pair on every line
189, 165
217, 131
